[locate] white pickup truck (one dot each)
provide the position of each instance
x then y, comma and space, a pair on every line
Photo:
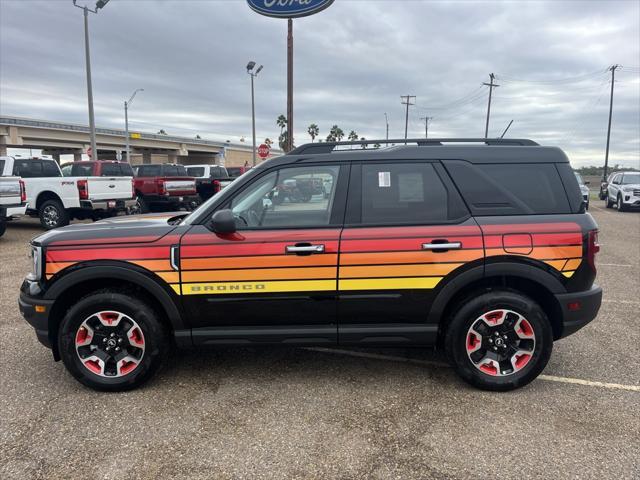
12, 196
56, 199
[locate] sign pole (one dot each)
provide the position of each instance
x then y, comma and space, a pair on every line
290, 85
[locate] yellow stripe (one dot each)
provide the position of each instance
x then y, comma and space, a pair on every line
176, 287
227, 288
389, 283
568, 274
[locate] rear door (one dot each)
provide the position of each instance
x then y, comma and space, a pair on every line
274, 280
406, 232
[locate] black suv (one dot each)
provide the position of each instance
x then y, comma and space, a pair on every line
481, 248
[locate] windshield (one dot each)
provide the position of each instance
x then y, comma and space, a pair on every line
630, 178
195, 171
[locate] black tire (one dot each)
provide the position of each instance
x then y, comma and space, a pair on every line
620, 205
466, 316
142, 205
3, 226
155, 339
52, 215
607, 202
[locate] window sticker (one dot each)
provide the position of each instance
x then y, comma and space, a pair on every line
411, 187
384, 179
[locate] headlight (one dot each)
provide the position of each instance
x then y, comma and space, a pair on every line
627, 189
35, 253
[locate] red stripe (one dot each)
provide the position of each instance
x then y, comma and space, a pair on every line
133, 253
531, 228
308, 235
399, 232
539, 240
351, 246
231, 250
169, 239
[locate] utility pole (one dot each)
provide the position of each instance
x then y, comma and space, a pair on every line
613, 69
426, 125
406, 100
289, 85
386, 121
491, 85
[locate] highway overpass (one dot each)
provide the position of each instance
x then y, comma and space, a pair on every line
56, 138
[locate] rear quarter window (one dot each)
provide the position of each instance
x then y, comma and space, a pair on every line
511, 188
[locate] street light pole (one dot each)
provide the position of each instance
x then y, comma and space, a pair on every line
92, 122
250, 67
126, 122
386, 121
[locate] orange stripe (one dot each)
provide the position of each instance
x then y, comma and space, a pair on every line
573, 264
376, 271
557, 264
543, 252
153, 265
55, 267
260, 274
458, 256
259, 261
169, 277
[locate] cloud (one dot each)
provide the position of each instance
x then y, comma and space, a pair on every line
352, 63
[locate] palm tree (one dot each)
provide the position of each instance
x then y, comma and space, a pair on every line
268, 141
332, 134
313, 131
282, 140
364, 145
353, 136
282, 123
339, 134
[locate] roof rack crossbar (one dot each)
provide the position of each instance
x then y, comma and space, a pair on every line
328, 147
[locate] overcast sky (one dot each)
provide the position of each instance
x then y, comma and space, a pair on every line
352, 63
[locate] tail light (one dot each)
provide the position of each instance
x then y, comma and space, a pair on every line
216, 186
23, 192
593, 247
162, 190
83, 190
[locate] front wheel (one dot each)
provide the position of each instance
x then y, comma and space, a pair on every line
499, 341
620, 204
112, 341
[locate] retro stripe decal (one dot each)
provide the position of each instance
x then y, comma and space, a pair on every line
230, 288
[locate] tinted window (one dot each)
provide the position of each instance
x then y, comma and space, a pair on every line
174, 171
50, 169
1, 167
510, 189
234, 171
149, 171
27, 168
126, 170
290, 197
218, 172
195, 171
81, 170
403, 193
110, 170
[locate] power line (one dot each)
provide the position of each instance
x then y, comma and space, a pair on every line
406, 100
574, 79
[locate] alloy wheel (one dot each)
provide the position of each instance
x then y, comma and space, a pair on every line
51, 216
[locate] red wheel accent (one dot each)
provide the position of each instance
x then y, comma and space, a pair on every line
472, 342
489, 368
136, 337
109, 317
525, 329
94, 366
521, 360
493, 317
83, 336
126, 367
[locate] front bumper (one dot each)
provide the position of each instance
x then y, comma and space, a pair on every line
630, 200
38, 318
578, 309
107, 204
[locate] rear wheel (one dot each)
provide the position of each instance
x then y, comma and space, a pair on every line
607, 201
3, 226
499, 340
53, 215
112, 341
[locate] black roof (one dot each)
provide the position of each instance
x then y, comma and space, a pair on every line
469, 149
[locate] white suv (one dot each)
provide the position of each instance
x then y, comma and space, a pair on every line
624, 191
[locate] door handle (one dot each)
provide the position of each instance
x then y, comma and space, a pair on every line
302, 249
442, 246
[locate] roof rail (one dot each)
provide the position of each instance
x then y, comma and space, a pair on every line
328, 147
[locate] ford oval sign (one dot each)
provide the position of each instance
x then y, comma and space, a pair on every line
288, 8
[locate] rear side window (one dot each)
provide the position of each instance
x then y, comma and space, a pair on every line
510, 189
50, 169
195, 171
395, 193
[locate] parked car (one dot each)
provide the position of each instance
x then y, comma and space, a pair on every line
604, 185
235, 172
210, 179
56, 199
13, 199
584, 189
164, 187
483, 250
624, 191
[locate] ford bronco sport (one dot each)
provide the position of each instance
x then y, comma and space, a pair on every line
480, 247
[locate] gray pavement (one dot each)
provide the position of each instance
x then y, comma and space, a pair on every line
315, 413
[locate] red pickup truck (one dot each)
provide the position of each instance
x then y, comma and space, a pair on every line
164, 187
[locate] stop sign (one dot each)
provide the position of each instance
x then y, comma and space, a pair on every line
263, 150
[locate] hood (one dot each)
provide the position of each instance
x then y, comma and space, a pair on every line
111, 231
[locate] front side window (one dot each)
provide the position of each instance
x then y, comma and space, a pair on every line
288, 198
630, 178
402, 193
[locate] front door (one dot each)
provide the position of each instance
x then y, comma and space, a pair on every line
274, 280
406, 231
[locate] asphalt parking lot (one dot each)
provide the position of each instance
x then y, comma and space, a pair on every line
316, 413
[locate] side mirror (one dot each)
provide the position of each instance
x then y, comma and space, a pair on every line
223, 222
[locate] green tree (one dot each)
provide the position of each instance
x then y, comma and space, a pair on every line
353, 136
282, 123
198, 137
364, 145
313, 131
282, 140
162, 132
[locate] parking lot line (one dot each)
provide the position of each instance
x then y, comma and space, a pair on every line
614, 265
394, 358
627, 302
